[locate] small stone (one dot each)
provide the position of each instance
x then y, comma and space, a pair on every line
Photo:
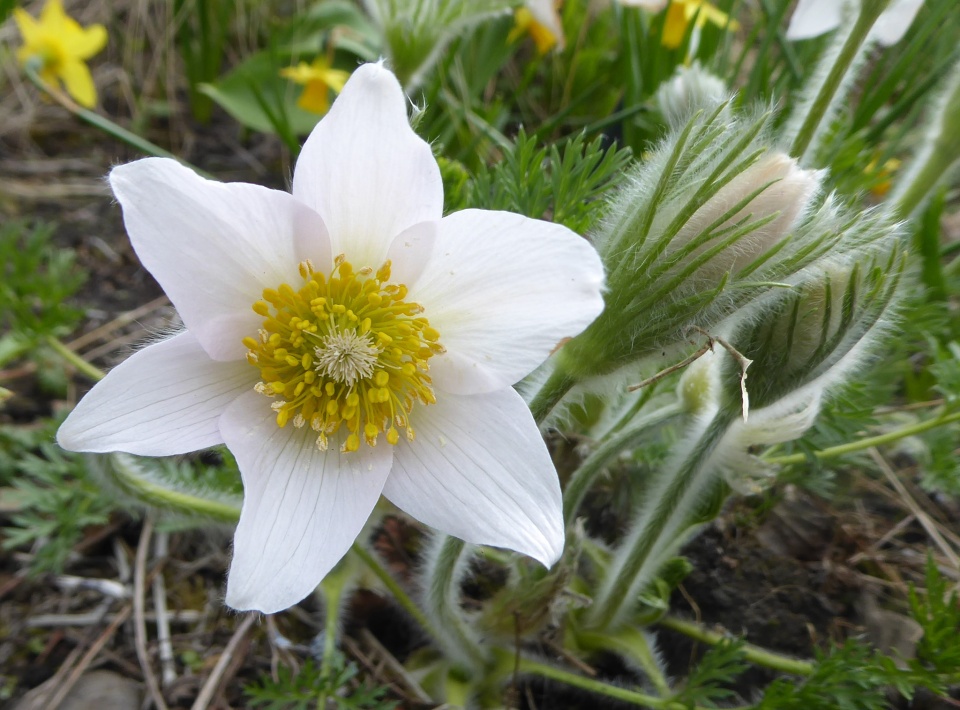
103, 690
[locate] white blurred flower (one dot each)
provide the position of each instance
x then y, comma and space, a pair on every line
813, 18
689, 90
649, 5
321, 325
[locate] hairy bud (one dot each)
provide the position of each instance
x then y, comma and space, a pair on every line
809, 343
691, 89
713, 220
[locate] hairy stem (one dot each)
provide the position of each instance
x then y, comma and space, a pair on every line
78, 362
444, 570
549, 396
634, 697
866, 17
402, 598
660, 523
125, 472
936, 164
869, 442
332, 589
586, 474
103, 123
754, 654
634, 645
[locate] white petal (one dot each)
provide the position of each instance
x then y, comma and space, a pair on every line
302, 507
411, 250
813, 18
215, 246
365, 171
478, 469
165, 399
895, 21
503, 291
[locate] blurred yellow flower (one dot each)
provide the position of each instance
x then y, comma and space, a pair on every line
318, 79
62, 46
541, 21
881, 175
681, 13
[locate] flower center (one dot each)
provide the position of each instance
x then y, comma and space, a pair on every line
347, 356
345, 350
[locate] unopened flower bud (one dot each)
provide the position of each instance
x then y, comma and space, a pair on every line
805, 346
771, 194
709, 222
699, 386
690, 90
817, 335
784, 420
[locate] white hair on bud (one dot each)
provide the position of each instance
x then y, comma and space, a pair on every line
689, 90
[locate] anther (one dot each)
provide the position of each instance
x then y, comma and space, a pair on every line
343, 352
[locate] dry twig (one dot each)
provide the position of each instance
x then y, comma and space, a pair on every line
168, 671
140, 622
919, 513
213, 681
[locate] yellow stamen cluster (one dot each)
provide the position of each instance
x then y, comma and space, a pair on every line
346, 350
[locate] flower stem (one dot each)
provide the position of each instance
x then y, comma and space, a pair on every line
675, 493
104, 123
936, 159
544, 670
553, 390
586, 474
403, 599
936, 164
78, 362
632, 644
870, 441
866, 17
124, 472
444, 570
754, 654
332, 589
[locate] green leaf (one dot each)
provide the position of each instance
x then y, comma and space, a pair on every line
938, 613
37, 280
54, 498
237, 93
13, 345
310, 30
6, 7
927, 242
718, 668
300, 690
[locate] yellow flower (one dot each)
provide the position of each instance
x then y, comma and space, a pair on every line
319, 79
681, 12
540, 20
62, 46
881, 175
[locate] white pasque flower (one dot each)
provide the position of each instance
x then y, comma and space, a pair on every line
812, 18
346, 341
